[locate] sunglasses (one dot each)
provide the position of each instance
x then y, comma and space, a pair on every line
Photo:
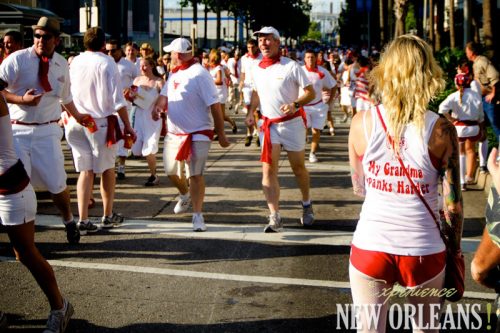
45, 37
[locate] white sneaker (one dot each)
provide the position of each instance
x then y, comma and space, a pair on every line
183, 204
313, 158
58, 319
199, 223
332, 131
275, 224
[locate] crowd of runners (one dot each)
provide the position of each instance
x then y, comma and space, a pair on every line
114, 102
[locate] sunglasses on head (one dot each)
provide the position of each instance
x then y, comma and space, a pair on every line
43, 37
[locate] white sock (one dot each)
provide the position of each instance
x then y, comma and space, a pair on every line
306, 203
483, 153
462, 169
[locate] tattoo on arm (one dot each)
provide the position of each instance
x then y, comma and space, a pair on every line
358, 183
452, 192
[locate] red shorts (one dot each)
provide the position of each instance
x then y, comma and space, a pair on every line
408, 271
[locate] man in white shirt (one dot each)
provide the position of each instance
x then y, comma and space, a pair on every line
38, 83
317, 109
277, 82
252, 57
234, 66
128, 72
97, 90
193, 109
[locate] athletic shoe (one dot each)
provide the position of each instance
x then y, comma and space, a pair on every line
313, 158
257, 141
152, 180
332, 131
110, 221
199, 223
3, 322
59, 319
85, 227
72, 233
183, 203
307, 218
483, 169
344, 119
235, 129
275, 224
120, 174
464, 187
248, 140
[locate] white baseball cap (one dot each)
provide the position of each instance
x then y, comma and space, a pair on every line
179, 45
224, 49
267, 31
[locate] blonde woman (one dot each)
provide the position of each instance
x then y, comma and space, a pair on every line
396, 239
220, 74
147, 129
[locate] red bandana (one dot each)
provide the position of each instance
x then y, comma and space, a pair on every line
184, 66
316, 70
253, 56
266, 62
43, 73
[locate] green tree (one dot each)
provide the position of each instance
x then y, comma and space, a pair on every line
314, 31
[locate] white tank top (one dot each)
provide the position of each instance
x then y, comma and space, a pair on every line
393, 219
8, 155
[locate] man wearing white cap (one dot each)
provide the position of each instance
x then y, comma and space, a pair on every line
38, 83
277, 82
191, 96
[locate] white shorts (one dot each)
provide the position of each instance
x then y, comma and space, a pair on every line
346, 97
198, 158
148, 133
18, 208
468, 132
362, 105
316, 115
222, 94
247, 94
289, 134
90, 152
39, 148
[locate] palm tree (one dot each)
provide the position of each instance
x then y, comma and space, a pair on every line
488, 27
451, 4
400, 9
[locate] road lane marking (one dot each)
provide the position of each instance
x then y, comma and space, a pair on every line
239, 232
221, 276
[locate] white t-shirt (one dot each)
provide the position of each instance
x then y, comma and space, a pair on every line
20, 71
96, 84
190, 94
234, 69
128, 72
221, 88
471, 108
247, 63
278, 84
327, 82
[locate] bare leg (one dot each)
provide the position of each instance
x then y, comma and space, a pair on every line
83, 193
470, 152
108, 191
22, 238
151, 159
297, 163
270, 184
62, 202
180, 183
316, 134
197, 191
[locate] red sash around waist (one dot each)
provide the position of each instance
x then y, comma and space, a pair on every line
14, 180
465, 123
114, 133
186, 146
266, 128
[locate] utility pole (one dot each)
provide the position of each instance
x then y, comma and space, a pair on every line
160, 30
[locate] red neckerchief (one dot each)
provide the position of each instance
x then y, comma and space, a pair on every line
186, 147
361, 71
266, 128
320, 62
43, 73
316, 70
253, 56
184, 66
266, 62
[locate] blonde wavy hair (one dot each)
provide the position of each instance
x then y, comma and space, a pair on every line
406, 79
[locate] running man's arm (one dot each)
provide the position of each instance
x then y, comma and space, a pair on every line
254, 104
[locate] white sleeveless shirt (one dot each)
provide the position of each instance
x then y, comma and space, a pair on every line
8, 155
393, 219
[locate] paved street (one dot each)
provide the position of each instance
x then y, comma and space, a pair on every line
153, 274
